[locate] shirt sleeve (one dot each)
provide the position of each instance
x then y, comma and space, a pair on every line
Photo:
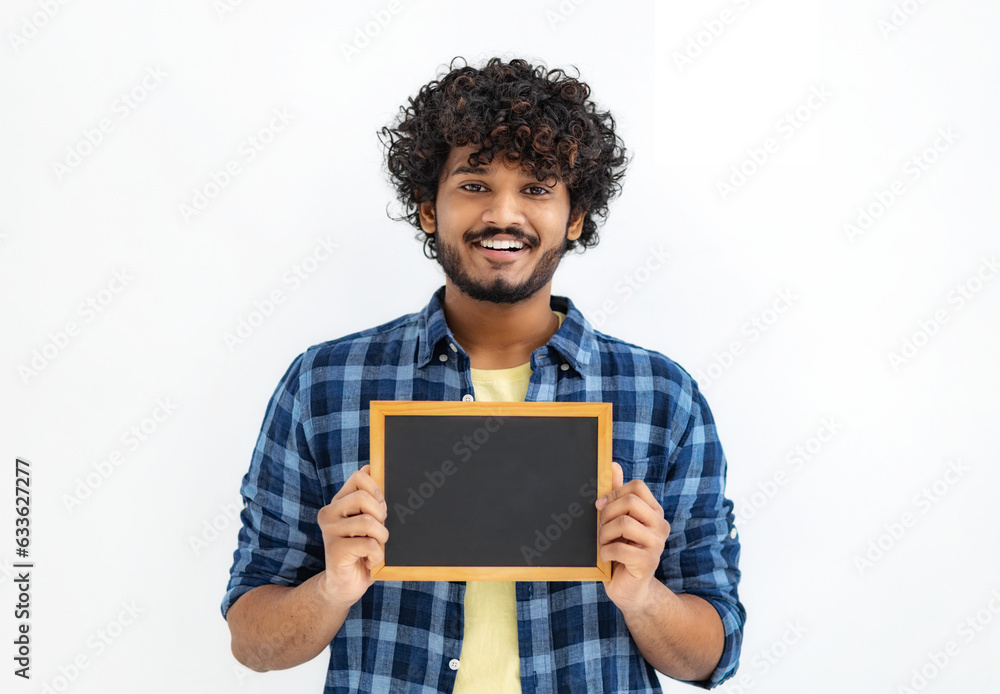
280, 541
702, 552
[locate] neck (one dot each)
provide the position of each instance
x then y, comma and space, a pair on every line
497, 336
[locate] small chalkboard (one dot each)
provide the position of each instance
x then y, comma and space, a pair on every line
491, 490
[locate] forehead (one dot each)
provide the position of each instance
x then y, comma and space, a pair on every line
457, 164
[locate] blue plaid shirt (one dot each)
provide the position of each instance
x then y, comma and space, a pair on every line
402, 636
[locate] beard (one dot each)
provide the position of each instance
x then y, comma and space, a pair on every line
499, 290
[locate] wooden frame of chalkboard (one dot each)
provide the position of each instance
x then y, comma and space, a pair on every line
491, 491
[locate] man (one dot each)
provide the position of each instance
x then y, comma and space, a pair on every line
502, 169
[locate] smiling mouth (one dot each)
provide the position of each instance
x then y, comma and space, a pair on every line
501, 254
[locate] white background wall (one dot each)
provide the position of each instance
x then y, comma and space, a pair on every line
862, 559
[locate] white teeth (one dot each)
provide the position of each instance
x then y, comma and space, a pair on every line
491, 243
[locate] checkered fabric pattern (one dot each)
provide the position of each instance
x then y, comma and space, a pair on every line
405, 636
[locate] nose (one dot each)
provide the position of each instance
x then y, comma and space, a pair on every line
504, 210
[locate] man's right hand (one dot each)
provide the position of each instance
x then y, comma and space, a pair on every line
353, 525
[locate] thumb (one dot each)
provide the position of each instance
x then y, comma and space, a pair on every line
617, 480
617, 475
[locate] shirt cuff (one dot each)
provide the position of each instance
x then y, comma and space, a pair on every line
733, 618
233, 593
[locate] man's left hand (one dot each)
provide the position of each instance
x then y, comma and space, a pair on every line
632, 535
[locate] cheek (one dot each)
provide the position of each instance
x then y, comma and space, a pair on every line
554, 218
458, 213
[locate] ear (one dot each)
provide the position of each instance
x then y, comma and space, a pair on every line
428, 221
576, 226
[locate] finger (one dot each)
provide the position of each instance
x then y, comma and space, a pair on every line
359, 526
361, 479
617, 479
350, 485
635, 507
357, 504
352, 549
371, 563
360, 501
644, 493
634, 487
627, 528
631, 559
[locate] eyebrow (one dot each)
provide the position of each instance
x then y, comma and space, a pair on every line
484, 171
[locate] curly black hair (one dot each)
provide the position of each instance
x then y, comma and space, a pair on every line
542, 119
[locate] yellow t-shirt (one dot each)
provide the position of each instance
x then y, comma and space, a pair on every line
490, 660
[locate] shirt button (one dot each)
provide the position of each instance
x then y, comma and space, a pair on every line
453, 663
443, 357
564, 366
468, 397
453, 347
732, 533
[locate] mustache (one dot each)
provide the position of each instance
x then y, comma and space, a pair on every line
513, 232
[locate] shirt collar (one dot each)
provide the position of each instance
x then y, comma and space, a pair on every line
574, 340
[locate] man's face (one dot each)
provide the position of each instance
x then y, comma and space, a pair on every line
498, 203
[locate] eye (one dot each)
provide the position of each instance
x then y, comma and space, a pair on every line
465, 186
540, 189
